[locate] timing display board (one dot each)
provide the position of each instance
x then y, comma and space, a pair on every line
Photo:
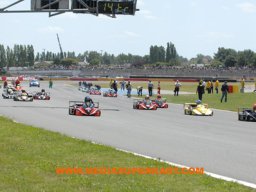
49, 4
124, 8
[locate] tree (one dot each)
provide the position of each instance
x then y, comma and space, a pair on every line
228, 57
94, 58
2, 56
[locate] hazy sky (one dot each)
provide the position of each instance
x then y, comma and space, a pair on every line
194, 26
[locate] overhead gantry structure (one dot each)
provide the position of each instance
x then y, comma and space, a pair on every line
55, 7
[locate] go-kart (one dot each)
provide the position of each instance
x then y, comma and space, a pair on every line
34, 83
23, 97
42, 96
160, 103
246, 114
94, 91
110, 93
83, 89
9, 93
197, 109
142, 105
77, 108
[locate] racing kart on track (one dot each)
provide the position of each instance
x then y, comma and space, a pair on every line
94, 91
160, 103
42, 96
77, 108
8, 93
23, 97
246, 114
83, 89
110, 93
197, 109
141, 105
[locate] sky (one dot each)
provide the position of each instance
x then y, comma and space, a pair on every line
193, 26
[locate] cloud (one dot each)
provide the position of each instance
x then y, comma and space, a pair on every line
50, 29
247, 7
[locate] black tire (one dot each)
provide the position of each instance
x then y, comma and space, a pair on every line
70, 111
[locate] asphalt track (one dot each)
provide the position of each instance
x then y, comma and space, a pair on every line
221, 144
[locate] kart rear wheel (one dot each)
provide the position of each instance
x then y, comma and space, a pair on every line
70, 111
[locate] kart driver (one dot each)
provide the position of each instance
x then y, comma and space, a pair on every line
147, 100
24, 93
88, 102
159, 100
43, 92
10, 90
112, 91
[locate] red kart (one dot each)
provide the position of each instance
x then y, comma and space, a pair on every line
94, 92
110, 93
160, 103
142, 105
77, 108
40, 96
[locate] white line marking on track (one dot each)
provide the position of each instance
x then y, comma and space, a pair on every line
252, 185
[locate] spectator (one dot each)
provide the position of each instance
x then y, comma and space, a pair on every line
17, 82
177, 86
129, 89
5, 84
150, 88
208, 87
217, 86
139, 90
200, 90
211, 87
242, 85
50, 83
114, 86
111, 83
122, 85
158, 88
224, 90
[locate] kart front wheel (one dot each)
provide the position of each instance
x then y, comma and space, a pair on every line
78, 113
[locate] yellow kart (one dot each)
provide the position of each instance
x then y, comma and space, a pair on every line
197, 109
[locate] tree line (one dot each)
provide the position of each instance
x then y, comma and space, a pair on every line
24, 56
18, 56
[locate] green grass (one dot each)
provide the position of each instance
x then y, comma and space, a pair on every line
29, 157
234, 100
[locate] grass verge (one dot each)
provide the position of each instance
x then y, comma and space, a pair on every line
29, 157
233, 103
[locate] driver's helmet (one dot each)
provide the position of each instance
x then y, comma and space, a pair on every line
42, 90
159, 96
147, 97
198, 102
23, 91
254, 107
87, 99
10, 90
